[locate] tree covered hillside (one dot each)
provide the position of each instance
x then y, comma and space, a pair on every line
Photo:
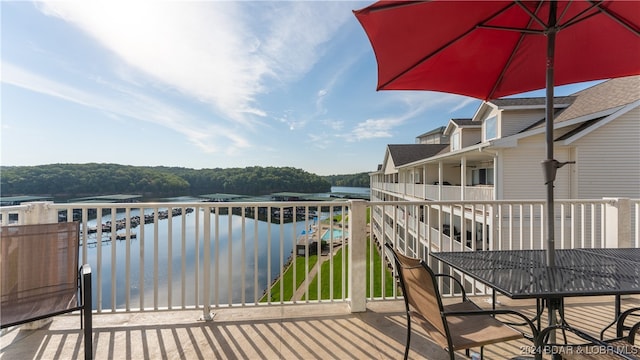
75, 180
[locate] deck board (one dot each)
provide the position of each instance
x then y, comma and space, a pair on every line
315, 331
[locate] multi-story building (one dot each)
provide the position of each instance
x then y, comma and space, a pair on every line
496, 156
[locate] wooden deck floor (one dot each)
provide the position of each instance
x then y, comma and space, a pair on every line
316, 331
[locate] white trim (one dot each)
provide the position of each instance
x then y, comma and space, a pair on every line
512, 141
488, 104
446, 129
482, 108
602, 122
388, 159
532, 107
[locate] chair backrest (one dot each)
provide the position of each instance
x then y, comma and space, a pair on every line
39, 270
420, 289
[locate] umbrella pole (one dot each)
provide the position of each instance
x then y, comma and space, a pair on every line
550, 163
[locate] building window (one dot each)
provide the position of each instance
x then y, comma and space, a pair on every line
455, 142
482, 176
491, 128
417, 177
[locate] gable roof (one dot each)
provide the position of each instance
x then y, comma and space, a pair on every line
438, 130
531, 101
461, 123
406, 153
606, 95
514, 103
465, 122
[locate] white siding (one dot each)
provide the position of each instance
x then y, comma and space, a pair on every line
433, 139
493, 112
513, 121
390, 167
608, 159
432, 174
522, 171
471, 136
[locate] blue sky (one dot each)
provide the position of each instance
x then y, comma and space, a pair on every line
203, 85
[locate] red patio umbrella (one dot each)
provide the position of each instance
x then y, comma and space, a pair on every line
491, 49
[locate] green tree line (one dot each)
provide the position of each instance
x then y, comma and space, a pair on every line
76, 180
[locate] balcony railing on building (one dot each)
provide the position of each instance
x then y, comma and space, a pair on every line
445, 192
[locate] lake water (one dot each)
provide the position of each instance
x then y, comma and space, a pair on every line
152, 239
348, 189
261, 259
228, 248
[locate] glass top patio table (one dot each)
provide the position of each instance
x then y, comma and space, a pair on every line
523, 274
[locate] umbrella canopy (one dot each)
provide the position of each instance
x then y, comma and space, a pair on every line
491, 49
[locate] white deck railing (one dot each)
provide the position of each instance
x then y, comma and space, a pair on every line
437, 192
153, 256
418, 228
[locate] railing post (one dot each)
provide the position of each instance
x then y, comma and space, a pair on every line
463, 178
618, 223
358, 255
39, 213
206, 267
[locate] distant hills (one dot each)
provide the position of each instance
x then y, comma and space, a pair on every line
77, 180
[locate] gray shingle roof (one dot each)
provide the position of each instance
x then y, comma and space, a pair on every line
531, 101
406, 153
606, 95
466, 122
438, 130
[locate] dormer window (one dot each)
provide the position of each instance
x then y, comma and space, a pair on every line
491, 128
455, 141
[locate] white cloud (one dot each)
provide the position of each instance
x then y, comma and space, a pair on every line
221, 53
419, 102
463, 101
17, 76
320, 141
124, 102
416, 104
334, 124
199, 50
295, 33
374, 128
337, 76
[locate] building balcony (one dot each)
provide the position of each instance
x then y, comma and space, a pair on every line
444, 192
203, 280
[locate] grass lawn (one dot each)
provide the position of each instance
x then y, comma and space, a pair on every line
289, 289
337, 277
288, 279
